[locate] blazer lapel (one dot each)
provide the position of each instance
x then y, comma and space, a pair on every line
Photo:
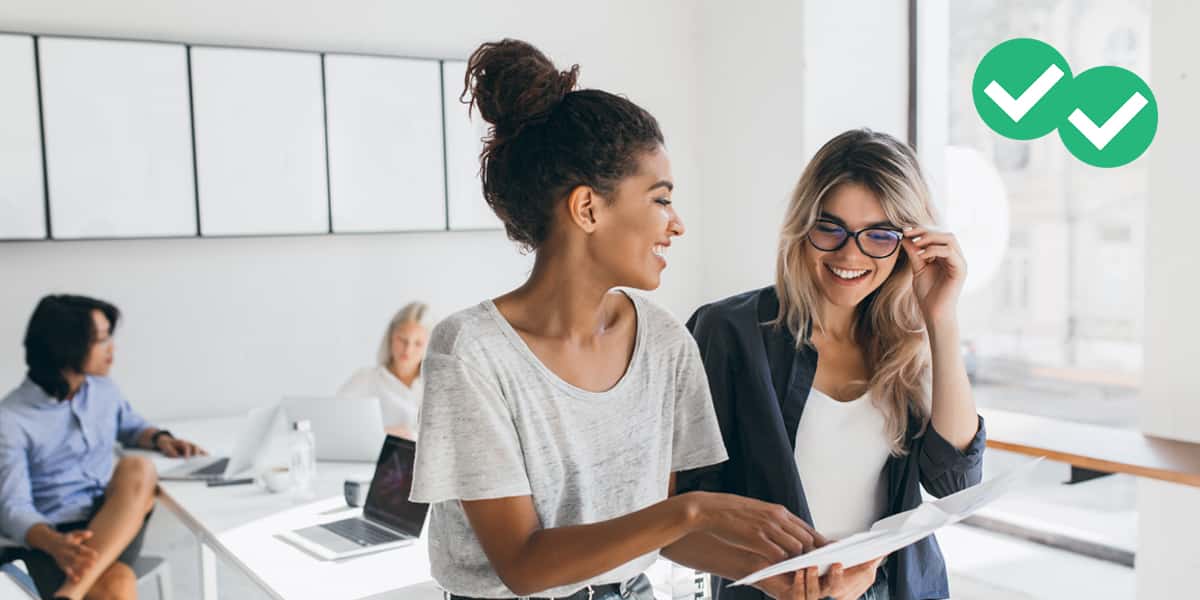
792, 369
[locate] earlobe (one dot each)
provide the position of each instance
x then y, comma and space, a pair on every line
581, 204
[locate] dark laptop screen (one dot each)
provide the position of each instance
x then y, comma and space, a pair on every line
387, 500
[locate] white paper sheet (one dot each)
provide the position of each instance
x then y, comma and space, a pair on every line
897, 531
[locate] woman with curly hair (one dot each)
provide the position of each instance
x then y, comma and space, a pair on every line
556, 414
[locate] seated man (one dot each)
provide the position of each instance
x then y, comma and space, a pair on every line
81, 519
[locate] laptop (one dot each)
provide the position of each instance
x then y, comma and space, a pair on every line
345, 430
389, 520
259, 429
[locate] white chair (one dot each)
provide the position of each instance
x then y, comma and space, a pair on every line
152, 572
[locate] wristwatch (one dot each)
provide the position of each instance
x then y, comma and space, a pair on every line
158, 434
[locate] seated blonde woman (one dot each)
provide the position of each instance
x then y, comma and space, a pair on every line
396, 379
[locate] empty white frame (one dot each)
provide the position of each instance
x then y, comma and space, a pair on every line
118, 138
467, 208
386, 166
260, 141
22, 195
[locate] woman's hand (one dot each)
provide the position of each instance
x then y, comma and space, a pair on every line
939, 271
72, 556
799, 585
401, 431
769, 530
838, 583
849, 584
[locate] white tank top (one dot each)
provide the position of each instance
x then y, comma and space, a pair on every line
841, 449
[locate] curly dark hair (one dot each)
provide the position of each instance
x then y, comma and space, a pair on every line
60, 335
546, 137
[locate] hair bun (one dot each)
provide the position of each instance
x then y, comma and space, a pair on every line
514, 85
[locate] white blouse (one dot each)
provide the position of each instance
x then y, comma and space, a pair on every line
399, 403
841, 450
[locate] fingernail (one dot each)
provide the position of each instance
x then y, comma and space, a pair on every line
921, 251
909, 228
917, 239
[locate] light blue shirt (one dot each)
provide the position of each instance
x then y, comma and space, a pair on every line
56, 457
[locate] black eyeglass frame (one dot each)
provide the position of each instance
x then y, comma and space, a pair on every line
855, 234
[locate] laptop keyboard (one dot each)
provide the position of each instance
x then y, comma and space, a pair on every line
217, 468
362, 533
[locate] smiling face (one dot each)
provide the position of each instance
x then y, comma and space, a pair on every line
635, 225
846, 276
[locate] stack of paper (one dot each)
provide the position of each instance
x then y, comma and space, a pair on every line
899, 530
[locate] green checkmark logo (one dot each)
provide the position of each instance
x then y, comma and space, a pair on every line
1021, 89
1115, 118
1106, 116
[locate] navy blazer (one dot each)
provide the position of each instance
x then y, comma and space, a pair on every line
760, 382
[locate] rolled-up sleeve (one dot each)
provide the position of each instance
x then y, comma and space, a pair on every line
17, 511
130, 425
946, 469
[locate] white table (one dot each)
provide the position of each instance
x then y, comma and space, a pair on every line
240, 523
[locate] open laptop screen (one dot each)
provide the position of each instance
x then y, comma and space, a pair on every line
387, 500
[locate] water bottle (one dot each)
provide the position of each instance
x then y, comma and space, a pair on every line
303, 461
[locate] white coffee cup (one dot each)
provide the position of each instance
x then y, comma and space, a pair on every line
355, 491
277, 479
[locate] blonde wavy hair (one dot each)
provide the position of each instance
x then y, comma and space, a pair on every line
888, 324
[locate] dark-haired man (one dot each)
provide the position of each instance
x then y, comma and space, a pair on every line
80, 517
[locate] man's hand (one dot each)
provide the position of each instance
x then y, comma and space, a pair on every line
72, 556
175, 448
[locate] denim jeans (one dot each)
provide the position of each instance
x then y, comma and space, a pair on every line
878, 591
638, 588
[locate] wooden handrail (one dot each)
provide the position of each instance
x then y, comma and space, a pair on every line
1095, 447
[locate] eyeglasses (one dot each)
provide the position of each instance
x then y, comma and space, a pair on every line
876, 242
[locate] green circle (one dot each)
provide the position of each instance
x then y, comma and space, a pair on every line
1013, 66
1099, 94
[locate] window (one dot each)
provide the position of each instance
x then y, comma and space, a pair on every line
1056, 286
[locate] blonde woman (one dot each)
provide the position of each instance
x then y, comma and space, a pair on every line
396, 379
866, 283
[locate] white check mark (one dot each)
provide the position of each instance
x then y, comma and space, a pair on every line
1102, 135
1016, 108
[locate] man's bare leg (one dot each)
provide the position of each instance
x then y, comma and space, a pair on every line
127, 500
117, 583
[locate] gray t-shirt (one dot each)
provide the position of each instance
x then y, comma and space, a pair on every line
496, 422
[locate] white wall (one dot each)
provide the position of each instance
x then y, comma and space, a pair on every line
778, 80
751, 132
215, 326
1170, 388
855, 69
1168, 530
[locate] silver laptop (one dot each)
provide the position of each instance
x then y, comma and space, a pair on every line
259, 429
345, 430
388, 520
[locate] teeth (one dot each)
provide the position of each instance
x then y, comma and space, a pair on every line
845, 274
660, 250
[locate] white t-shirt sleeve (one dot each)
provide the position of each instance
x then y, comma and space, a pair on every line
468, 448
358, 386
696, 440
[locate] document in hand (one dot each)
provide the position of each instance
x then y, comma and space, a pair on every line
899, 530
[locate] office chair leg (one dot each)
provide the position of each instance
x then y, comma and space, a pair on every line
164, 583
